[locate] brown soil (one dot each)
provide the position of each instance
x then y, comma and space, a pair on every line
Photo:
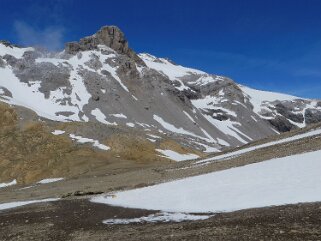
29, 152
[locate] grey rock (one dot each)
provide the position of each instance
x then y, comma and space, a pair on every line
312, 116
11, 60
110, 36
31, 55
50, 76
65, 113
6, 92
287, 113
8, 44
2, 63
94, 62
282, 124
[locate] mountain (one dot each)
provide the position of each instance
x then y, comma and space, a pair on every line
99, 94
264, 190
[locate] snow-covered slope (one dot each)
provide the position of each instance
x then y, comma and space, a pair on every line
287, 180
269, 105
101, 80
233, 154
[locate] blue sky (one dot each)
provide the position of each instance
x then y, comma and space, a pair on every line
272, 45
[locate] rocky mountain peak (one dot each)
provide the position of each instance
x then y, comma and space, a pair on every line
110, 36
8, 44
103, 84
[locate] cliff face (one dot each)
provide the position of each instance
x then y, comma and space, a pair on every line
110, 36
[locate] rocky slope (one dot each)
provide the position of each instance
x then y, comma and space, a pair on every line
114, 94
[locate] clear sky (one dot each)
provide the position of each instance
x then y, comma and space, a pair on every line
266, 44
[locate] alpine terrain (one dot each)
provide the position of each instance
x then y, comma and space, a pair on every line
99, 142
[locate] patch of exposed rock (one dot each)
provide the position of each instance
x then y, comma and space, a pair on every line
110, 36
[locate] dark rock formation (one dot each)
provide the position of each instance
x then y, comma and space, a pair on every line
11, 60
312, 116
8, 44
94, 62
110, 36
2, 63
287, 113
281, 124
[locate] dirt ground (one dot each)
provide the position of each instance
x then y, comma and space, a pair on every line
81, 220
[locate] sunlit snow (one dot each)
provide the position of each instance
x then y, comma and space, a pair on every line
173, 155
288, 180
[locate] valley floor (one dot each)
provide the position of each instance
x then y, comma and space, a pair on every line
81, 220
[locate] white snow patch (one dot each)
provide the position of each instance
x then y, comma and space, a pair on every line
205, 79
154, 136
252, 148
163, 65
162, 217
14, 51
227, 127
222, 142
30, 97
119, 116
58, 132
50, 180
112, 71
7, 184
213, 103
151, 140
84, 140
28, 187
181, 130
172, 71
189, 117
142, 124
130, 124
80, 96
253, 118
10, 205
173, 155
281, 181
257, 97
208, 149
100, 116
172, 128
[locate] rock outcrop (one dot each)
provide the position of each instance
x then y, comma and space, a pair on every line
110, 36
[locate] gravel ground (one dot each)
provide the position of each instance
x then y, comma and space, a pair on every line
82, 220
